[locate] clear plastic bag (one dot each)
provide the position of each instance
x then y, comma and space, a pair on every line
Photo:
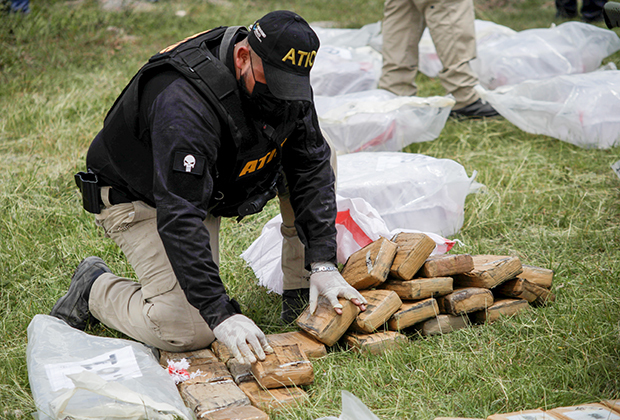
352, 409
350, 38
340, 70
378, 120
76, 375
582, 109
409, 191
536, 54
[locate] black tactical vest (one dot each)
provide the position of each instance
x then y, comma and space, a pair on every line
248, 167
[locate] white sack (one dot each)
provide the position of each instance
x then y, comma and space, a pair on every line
410, 191
378, 120
582, 109
348, 38
340, 70
357, 225
535, 54
76, 375
486, 32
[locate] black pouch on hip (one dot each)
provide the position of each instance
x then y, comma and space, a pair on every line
87, 183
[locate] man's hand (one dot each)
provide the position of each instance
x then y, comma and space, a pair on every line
236, 332
325, 280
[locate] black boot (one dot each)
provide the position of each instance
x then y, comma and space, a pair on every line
73, 306
475, 110
293, 303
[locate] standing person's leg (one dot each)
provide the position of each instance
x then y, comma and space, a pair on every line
402, 28
592, 10
296, 281
154, 311
566, 8
451, 24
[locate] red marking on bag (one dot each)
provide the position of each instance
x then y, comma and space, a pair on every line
359, 236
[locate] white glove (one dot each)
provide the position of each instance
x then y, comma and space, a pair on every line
239, 330
325, 280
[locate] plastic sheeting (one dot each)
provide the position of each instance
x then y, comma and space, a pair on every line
536, 54
582, 109
76, 375
409, 191
378, 120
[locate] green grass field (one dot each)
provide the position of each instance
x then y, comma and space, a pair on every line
552, 204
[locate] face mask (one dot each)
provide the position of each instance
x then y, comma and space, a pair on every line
262, 100
269, 105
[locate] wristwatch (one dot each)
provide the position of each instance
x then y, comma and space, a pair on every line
323, 268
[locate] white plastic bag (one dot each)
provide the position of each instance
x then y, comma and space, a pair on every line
352, 409
340, 70
536, 54
378, 120
76, 375
582, 109
357, 225
351, 38
486, 32
410, 191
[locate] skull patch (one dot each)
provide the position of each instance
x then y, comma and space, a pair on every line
188, 162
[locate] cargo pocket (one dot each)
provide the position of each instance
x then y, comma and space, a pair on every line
116, 219
169, 313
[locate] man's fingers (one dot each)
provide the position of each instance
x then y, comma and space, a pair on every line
351, 294
247, 353
236, 354
333, 301
265, 344
359, 304
258, 348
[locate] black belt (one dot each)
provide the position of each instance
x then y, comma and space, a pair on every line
117, 197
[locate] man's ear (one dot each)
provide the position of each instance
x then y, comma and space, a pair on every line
242, 57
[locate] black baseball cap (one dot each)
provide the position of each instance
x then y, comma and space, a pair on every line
287, 45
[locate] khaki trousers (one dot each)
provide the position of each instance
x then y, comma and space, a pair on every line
155, 310
451, 25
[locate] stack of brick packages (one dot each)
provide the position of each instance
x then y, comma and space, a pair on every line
221, 388
407, 288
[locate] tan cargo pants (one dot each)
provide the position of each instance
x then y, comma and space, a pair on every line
155, 310
451, 25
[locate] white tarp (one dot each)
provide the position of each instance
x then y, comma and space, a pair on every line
378, 120
582, 109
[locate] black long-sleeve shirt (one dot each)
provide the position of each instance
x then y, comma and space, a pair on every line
175, 118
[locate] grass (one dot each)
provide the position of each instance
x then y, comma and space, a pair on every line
553, 204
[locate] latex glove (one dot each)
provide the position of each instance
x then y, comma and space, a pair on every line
332, 285
239, 330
